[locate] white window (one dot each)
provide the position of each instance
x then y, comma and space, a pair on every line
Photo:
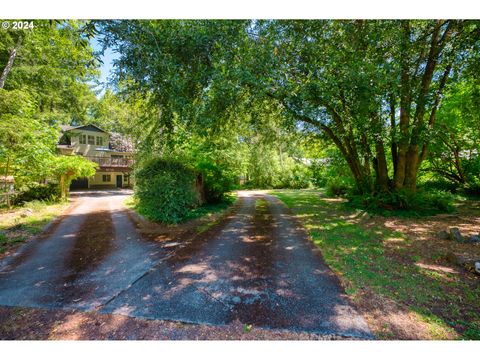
99, 140
91, 140
83, 139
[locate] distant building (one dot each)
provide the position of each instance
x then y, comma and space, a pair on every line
111, 151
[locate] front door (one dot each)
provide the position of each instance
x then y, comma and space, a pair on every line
119, 181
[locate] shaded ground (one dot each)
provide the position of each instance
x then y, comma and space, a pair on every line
396, 269
255, 267
42, 324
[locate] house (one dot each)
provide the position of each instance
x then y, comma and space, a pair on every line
111, 151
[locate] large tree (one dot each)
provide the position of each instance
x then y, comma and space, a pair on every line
373, 87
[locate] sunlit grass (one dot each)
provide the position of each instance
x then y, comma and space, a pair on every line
359, 255
15, 227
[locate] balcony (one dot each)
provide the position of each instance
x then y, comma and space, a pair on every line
111, 162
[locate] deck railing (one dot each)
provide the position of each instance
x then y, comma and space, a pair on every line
111, 162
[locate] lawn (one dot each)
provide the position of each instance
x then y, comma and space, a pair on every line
394, 270
22, 223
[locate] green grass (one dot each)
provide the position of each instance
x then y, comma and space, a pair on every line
15, 229
358, 254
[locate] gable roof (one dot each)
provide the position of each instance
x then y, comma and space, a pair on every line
89, 127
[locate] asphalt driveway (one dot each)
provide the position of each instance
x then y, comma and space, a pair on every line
257, 267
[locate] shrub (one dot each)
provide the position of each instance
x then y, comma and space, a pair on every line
420, 203
472, 187
165, 190
217, 180
297, 176
337, 187
439, 184
45, 192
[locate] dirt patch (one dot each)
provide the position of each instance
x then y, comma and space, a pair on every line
40, 324
419, 245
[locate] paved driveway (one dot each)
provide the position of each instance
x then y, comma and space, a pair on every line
257, 267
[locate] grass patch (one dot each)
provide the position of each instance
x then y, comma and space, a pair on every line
21, 223
382, 261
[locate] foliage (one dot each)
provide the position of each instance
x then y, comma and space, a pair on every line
209, 209
68, 168
337, 187
44, 81
53, 64
46, 192
26, 145
372, 87
404, 202
165, 190
455, 150
218, 181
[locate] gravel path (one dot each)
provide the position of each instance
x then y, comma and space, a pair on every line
258, 268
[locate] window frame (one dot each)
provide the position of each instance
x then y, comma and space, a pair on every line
108, 178
92, 137
83, 139
99, 141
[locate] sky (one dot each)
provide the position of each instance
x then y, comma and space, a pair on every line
108, 57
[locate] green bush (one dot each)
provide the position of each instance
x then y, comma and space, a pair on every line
337, 187
45, 192
403, 202
439, 184
291, 175
217, 180
297, 176
165, 190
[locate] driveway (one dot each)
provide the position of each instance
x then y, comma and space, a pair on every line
257, 267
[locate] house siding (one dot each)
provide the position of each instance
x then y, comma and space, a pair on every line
108, 167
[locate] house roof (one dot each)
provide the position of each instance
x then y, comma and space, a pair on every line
89, 127
117, 141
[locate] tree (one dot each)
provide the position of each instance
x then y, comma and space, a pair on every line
455, 150
53, 62
43, 82
369, 85
373, 87
26, 145
68, 168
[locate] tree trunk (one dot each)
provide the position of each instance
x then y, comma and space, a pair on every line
11, 59
393, 134
405, 103
411, 168
63, 194
381, 167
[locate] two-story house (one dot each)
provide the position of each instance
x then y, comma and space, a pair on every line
111, 151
